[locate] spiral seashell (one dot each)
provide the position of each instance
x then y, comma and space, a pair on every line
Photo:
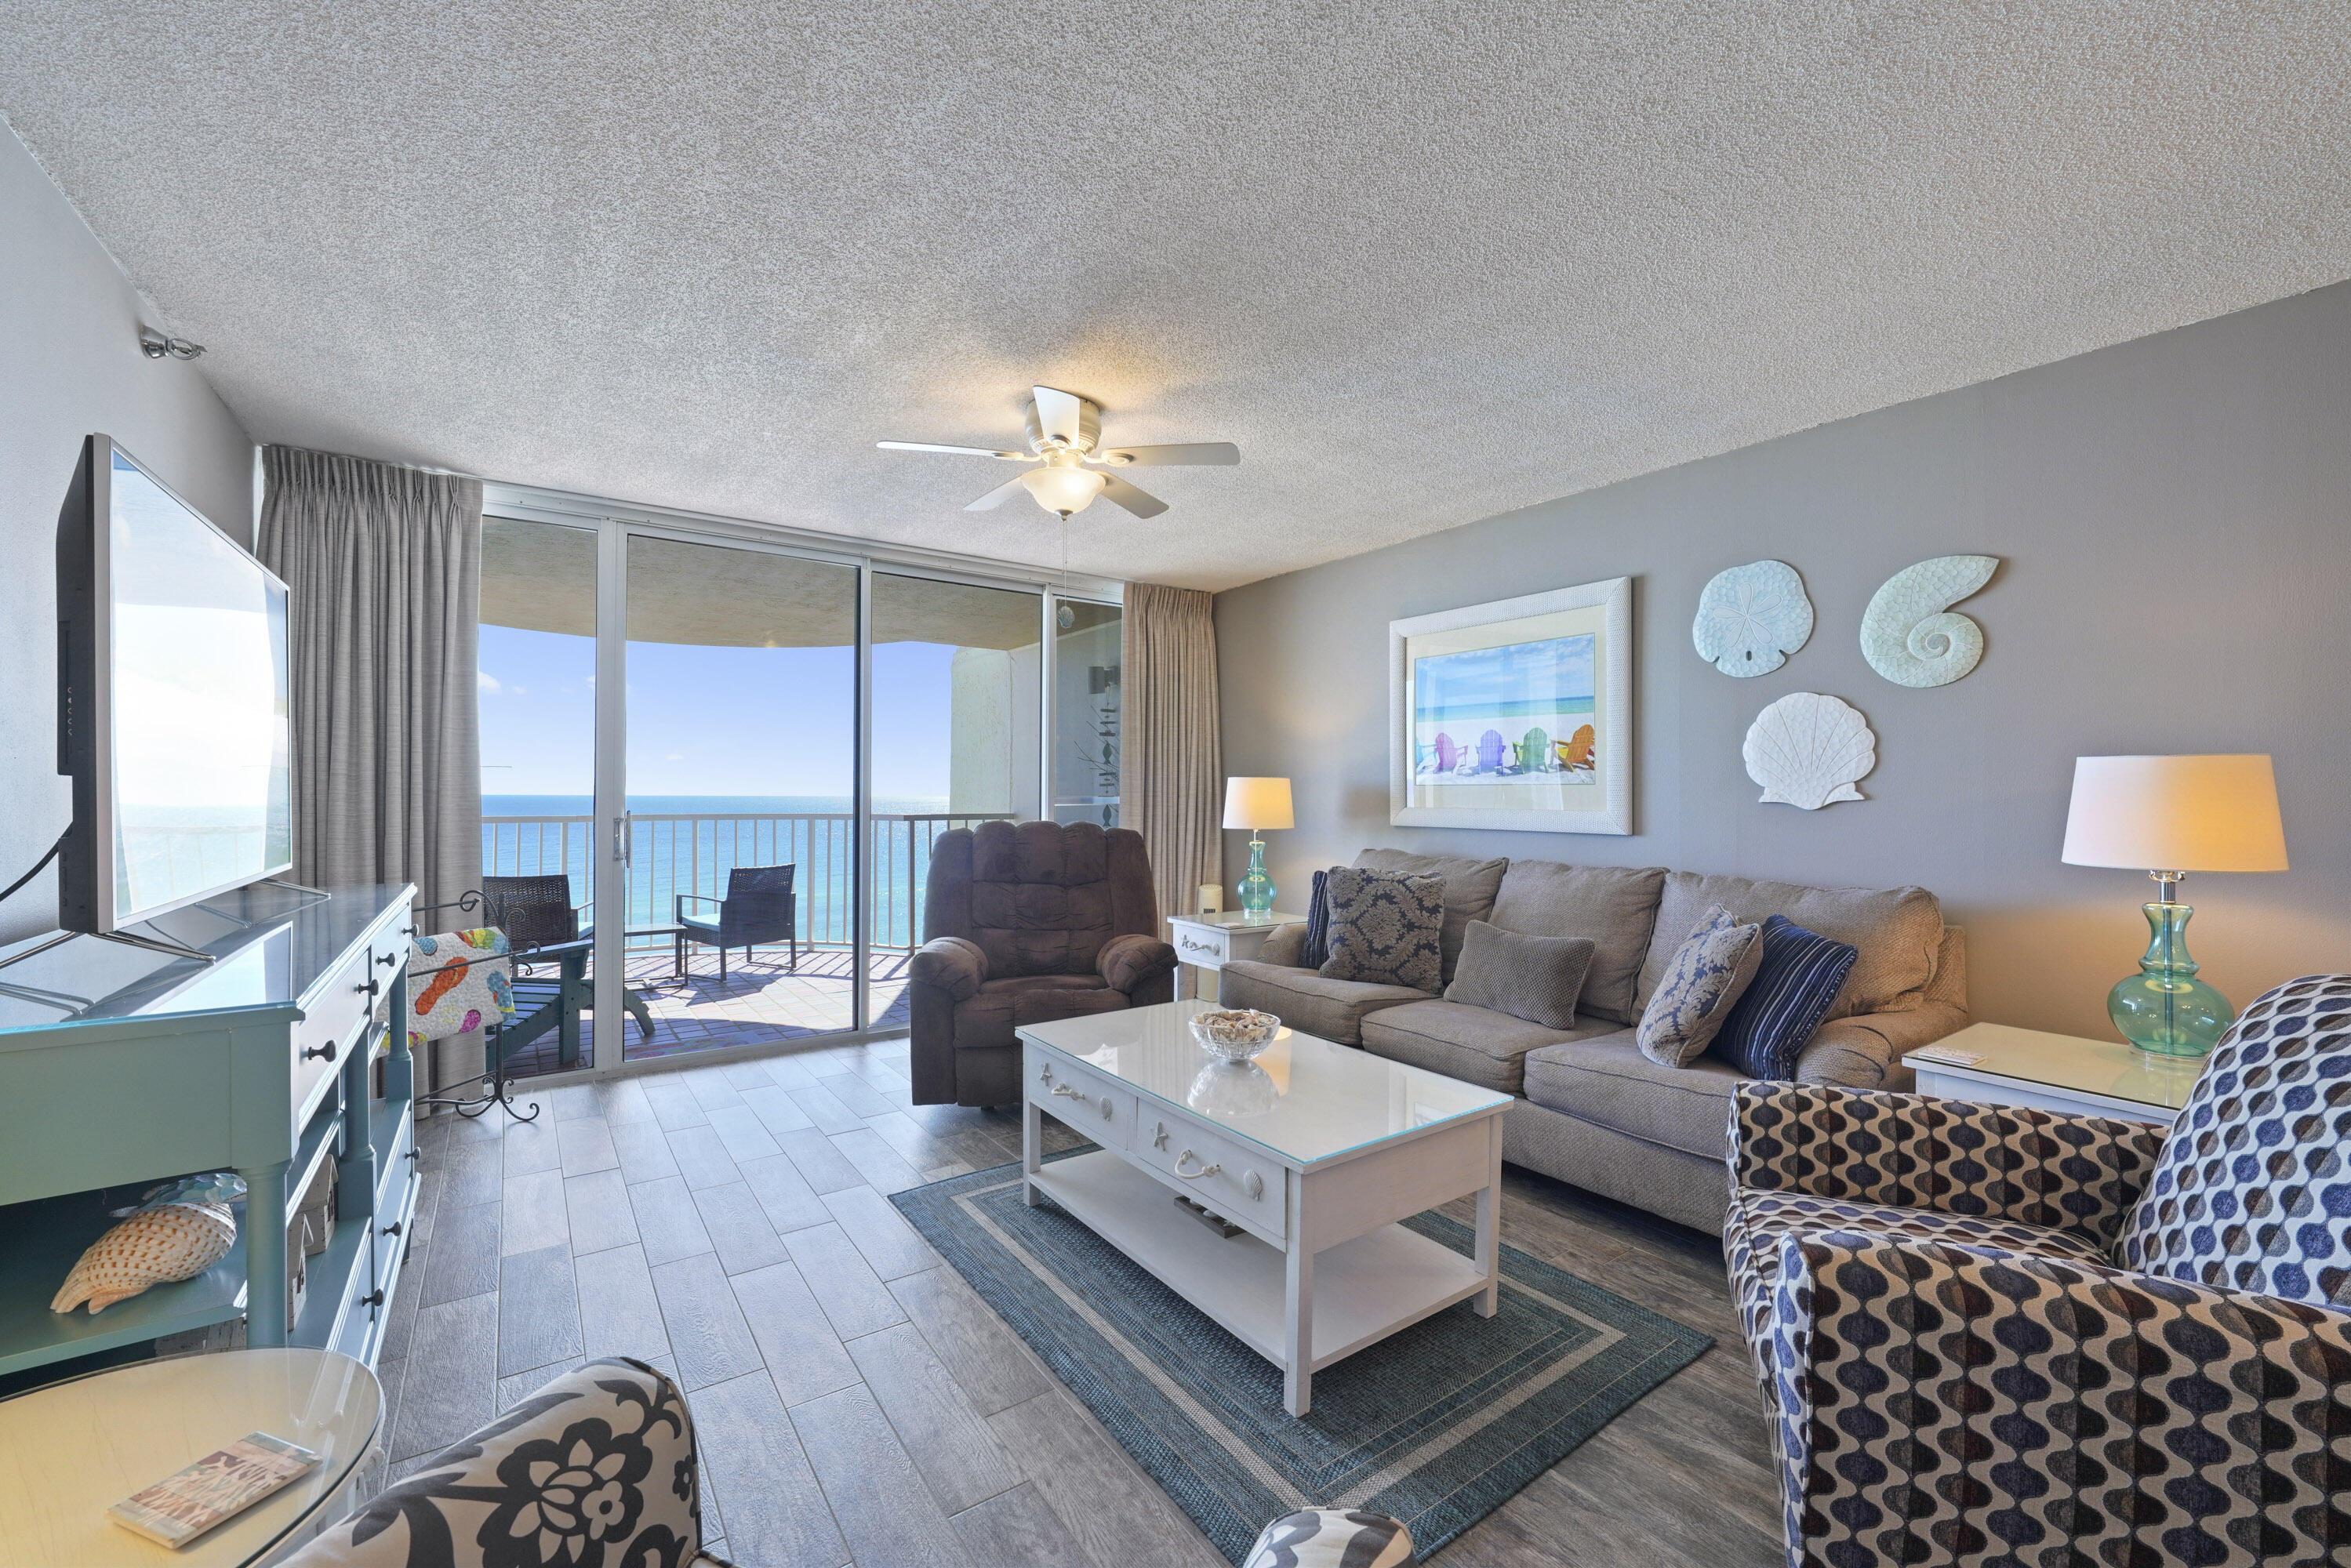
153, 1247
1752, 617
1808, 749
1909, 634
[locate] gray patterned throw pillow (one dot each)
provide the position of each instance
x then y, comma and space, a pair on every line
1385, 929
1704, 980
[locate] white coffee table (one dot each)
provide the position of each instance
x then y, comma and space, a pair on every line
69, 1450
1314, 1152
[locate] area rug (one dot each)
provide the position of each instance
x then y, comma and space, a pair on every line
1437, 1424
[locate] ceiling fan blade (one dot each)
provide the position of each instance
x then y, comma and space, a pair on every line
1118, 492
954, 451
1197, 454
1058, 415
999, 496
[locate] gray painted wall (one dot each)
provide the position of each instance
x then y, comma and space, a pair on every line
69, 364
2173, 518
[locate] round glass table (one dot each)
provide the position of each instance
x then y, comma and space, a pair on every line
71, 1450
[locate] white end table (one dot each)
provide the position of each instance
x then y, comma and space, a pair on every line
69, 1451
2059, 1072
1206, 942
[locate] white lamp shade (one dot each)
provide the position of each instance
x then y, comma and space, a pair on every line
1257, 803
2175, 813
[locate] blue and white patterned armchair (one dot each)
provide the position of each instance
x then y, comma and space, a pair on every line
1997, 1335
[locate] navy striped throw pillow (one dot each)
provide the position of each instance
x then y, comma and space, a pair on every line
1317, 950
1793, 989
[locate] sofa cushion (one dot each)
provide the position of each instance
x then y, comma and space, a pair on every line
1606, 1079
1536, 978
1470, 887
1476, 1045
1385, 928
1799, 980
1897, 930
1710, 971
1613, 905
1305, 1000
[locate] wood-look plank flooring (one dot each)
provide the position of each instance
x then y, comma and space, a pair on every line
857, 1403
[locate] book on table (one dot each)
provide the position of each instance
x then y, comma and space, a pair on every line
221, 1485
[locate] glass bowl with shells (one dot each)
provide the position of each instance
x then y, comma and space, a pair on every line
1235, 1034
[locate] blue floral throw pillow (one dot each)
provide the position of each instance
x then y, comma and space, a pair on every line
1793, 988
1706, 975
1385, 928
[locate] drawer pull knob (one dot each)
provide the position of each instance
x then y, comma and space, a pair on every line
409, 1156
408, 931
1106, 1111
1194, 1176
1256, 1185
1159, 1136
326, 1051
1047, 1075
393, 1228
369, 986
387, 960
373, 1300
1063, 1088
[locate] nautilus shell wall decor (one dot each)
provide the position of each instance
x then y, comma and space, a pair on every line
1752, 617
1910, 634
1808, 749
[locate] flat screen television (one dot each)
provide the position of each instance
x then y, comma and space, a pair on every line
172, 715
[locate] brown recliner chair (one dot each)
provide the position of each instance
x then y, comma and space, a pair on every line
1025, 923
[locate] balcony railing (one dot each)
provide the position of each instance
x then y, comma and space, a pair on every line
672, 854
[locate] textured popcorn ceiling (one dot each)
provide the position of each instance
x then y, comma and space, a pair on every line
1424, 262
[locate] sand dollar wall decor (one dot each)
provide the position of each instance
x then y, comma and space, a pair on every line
1752, 617
1909, 634
1808, 749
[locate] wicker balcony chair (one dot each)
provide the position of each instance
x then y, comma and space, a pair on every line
1989, 1334
759, 907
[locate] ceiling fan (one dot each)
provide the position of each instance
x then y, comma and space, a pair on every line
1065, 436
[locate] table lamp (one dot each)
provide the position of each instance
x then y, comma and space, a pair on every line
1257, 804
2168, 816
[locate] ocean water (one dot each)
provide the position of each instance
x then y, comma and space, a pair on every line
815, 834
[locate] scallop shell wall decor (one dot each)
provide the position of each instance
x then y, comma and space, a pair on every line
1910, 634
1808, 749
153, 1247
1752, 617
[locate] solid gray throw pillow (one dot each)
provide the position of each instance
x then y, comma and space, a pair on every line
1385, 929
1537, 978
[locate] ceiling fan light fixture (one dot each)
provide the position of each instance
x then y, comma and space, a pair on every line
1067, 491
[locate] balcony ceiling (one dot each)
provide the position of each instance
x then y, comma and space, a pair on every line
1423, 263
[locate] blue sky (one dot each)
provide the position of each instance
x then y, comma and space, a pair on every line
706, 720
1557, 667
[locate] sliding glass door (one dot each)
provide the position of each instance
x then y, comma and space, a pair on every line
734, 759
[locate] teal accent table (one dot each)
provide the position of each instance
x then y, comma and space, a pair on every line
120, 1068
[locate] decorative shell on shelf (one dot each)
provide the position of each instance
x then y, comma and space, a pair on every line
153, 1247
1910, 634
1808, 749
1752, 617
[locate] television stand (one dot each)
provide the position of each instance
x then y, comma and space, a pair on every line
153, 944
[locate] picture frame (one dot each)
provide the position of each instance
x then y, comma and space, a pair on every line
1515, 715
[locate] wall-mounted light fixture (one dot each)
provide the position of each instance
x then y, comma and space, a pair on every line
155, 345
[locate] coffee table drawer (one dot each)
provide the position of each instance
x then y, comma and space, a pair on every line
1093, 1102
1224, 1175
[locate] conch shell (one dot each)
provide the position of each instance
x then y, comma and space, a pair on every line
153, 1247
1808, 749
1909, 634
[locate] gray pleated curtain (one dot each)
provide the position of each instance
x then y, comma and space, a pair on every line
384, 568
1171, 762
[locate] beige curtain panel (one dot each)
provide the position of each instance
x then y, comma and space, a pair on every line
384, 564
1171, 763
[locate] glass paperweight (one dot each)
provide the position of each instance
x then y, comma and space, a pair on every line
2164, 1010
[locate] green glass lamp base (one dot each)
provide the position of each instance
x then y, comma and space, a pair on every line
2164, 1010
1255, 888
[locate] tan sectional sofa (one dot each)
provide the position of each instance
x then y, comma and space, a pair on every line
1592, 1110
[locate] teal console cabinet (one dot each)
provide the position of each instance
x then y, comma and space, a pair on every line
120, 1067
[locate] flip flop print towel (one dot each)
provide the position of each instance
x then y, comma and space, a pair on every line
448, 994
